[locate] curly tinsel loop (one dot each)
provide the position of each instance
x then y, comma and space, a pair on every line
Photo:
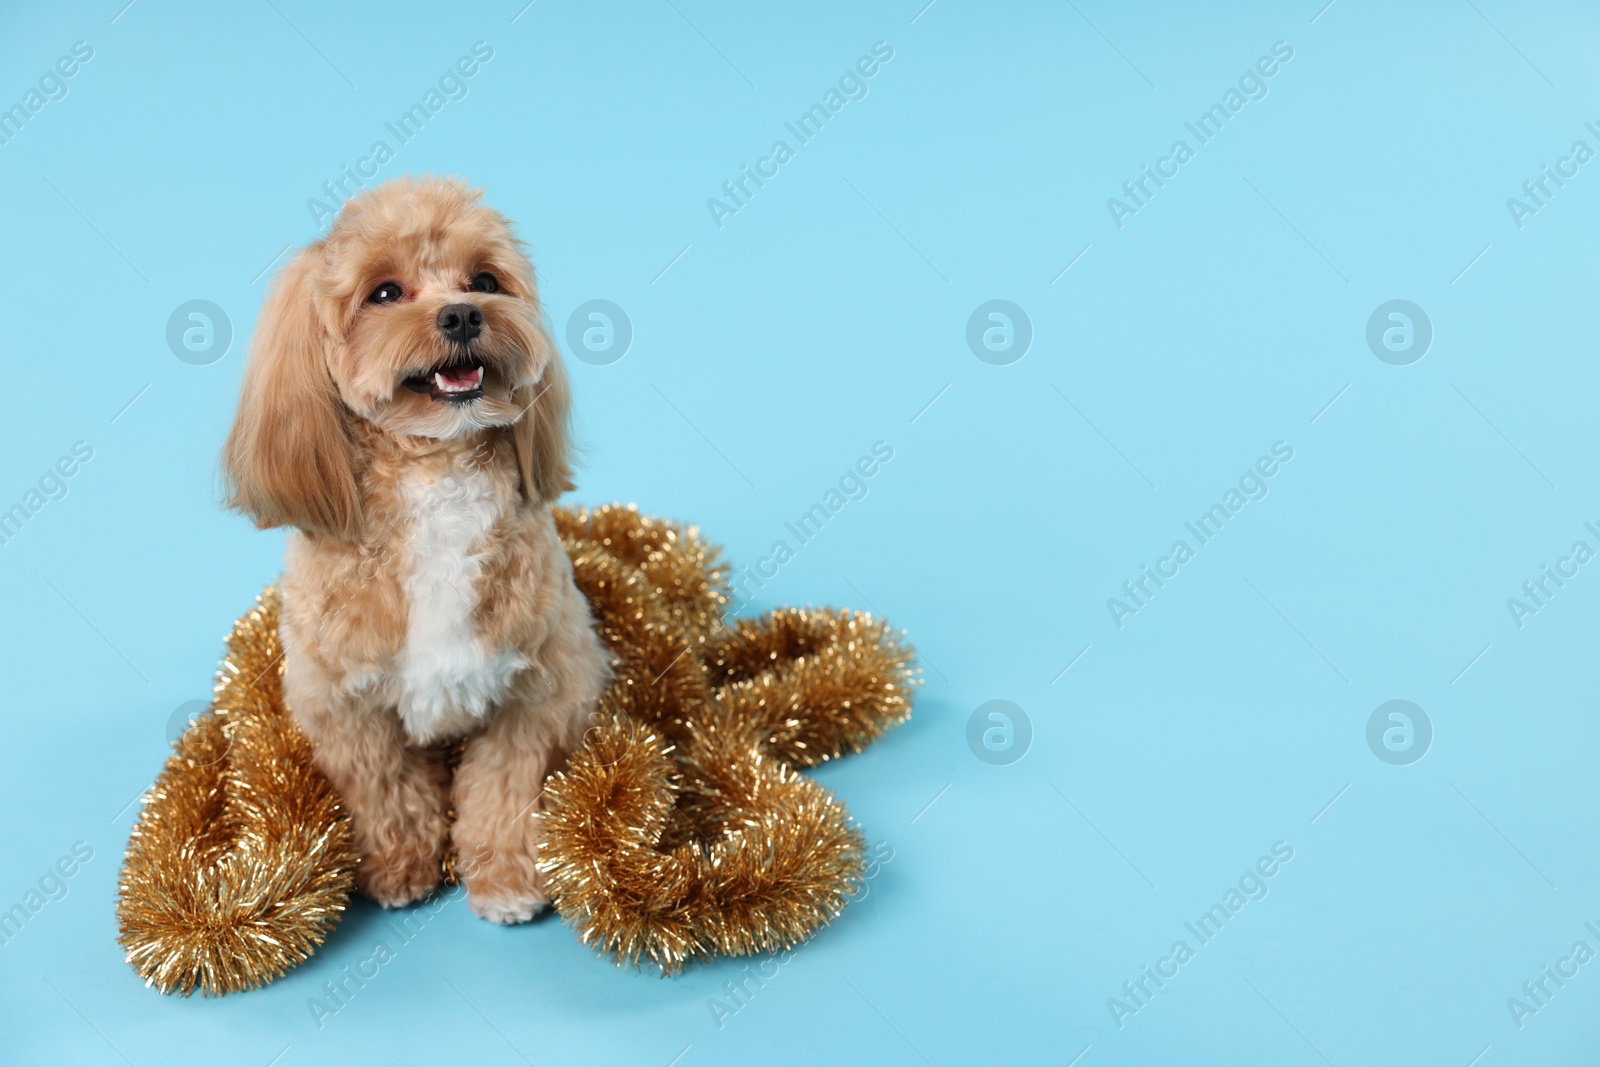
681, 827
241, 861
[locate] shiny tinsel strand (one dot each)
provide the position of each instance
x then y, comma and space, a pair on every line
241, 860
680, 829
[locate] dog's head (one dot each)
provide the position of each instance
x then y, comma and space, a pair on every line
417, 313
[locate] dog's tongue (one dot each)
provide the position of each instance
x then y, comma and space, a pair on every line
459, 376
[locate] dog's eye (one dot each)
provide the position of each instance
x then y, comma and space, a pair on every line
484, 283
387, 293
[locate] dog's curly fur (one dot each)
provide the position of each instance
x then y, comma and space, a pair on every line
426, 598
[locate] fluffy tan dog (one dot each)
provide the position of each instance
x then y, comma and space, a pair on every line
405, 411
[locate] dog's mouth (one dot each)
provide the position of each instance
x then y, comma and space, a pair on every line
456, 382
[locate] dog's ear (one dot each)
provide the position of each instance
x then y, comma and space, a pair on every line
541, 435
289, 460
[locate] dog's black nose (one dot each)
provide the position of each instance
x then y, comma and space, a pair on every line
460, 322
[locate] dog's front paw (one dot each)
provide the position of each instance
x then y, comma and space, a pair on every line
399, 877
506, 909
503, 883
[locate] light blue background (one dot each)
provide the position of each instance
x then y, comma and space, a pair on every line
825, 316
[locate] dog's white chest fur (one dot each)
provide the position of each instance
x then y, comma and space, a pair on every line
448, 680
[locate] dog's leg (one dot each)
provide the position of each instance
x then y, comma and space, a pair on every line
499, 786
396, 796
498, 794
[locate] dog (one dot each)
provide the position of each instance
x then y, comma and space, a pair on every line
406, 413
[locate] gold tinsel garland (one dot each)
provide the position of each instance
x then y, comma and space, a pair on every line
681, 828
